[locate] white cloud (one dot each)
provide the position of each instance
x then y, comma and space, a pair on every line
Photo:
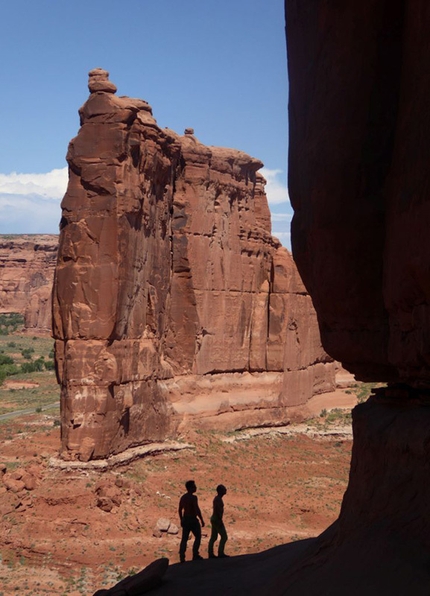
276, 189
30, 203
51, 185
280, 206
282, 217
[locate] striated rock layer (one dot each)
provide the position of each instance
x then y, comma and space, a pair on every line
167, 271
27, 264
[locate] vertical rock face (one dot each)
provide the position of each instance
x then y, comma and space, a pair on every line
222, 262
358, 181
27, 265
113, 275
294, 326
166, 269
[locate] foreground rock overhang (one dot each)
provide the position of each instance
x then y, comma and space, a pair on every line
167, 277
358, 182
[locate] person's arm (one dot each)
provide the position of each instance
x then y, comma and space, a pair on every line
199, 513
180, 509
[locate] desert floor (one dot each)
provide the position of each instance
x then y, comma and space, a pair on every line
61, 537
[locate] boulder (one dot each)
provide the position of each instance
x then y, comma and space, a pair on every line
13, 484
29, 480
105, 504
163, 524
173, 529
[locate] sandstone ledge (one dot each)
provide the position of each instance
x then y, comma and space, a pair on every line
119, 459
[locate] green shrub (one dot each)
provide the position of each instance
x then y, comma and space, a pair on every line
5, 359
27, 353
10, 321
363, 391
36, 366
7, 367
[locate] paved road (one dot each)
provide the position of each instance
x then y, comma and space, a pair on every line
28, 411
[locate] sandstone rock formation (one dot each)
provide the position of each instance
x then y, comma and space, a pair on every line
144, 581
27, 265
358, 183
168, 276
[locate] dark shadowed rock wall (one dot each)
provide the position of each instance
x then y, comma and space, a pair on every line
359, 184
358, 179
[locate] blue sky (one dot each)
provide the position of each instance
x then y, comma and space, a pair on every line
218, 66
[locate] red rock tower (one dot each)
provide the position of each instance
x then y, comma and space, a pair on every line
167, 268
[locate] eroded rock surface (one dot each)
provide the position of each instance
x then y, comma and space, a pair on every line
27, 264
113, 276
168, 271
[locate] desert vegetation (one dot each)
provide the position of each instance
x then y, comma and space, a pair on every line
10, 322
27, 377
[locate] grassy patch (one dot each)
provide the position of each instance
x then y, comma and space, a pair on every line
363, 390
31, 384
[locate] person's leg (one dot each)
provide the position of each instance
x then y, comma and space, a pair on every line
197, 531
185, 535
212, 540
223, 539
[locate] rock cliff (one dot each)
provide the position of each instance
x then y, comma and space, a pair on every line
358, 183
27, 264
170, 292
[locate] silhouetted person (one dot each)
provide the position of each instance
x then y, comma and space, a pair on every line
190, 514
218, 524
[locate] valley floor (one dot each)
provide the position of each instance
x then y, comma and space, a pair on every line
80, 530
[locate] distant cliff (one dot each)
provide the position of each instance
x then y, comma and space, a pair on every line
27, 264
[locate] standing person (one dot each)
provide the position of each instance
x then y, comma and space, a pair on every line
218, 524
190, 514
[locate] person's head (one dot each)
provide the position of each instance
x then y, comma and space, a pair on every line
191, 487
221, 490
